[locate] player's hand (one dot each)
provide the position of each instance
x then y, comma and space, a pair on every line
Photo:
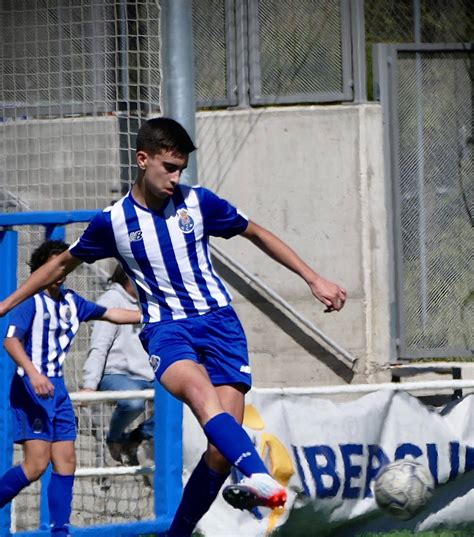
332, 295
42, 385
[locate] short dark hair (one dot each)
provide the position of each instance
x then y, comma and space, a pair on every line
164, 134
45, 251
118, 276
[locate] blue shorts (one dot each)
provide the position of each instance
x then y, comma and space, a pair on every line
215, 339
34, 418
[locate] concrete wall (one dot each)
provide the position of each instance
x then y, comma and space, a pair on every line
314, 176
61, 164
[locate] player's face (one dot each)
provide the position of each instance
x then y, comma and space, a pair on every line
161, 172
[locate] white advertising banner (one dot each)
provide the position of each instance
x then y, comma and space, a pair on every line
328, 454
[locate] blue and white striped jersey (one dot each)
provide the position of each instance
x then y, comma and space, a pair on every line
166, 252
47, 327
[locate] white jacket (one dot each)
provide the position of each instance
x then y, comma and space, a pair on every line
115, 349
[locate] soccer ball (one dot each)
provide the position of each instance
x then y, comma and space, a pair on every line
403, 488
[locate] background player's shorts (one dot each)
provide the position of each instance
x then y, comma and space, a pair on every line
34, 418
215, 339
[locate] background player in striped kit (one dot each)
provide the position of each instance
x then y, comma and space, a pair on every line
38, 338
159, 232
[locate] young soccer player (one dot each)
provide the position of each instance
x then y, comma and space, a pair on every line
159, 232
38, 338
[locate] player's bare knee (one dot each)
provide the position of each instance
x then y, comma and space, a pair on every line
64, 469
35, 468
64, 462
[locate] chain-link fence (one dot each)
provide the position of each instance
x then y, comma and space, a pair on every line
304, 59
214, 31
91, 68
436, 173
411, 21
431, 118
424, 21
75, 78
433, 172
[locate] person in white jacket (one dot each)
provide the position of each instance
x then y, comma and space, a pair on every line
117, 361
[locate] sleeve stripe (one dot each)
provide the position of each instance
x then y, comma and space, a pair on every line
242, 214
11, 331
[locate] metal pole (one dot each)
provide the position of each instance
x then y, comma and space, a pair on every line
168, 435
358, 51
382, 64
178, 99
128, 126
421, 170
243, 97
8, 281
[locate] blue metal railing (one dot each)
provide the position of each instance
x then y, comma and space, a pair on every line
168, 410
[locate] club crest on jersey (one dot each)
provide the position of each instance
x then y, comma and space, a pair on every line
185, 222
135, 236
155, 362
68, 314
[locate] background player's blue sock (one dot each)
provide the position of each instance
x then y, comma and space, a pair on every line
234, 443
60, 503
200, 491
11, 482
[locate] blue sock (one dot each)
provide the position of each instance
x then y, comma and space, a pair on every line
234, 443
60, 503
11, 482
200, 491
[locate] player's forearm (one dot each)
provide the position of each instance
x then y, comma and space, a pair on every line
122, 316
280, 252
330, 294
17, 353
32, 285
55, 269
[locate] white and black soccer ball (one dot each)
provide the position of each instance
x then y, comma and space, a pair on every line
403, 488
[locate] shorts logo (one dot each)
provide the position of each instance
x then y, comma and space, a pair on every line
155, 362
185, 222
245, 369
37, 426
135, 236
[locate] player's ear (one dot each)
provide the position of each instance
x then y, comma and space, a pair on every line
141, 159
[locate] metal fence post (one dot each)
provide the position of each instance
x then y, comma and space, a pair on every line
178, 99
8, 255
242, 54
382, 62
167, 481
359, 75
